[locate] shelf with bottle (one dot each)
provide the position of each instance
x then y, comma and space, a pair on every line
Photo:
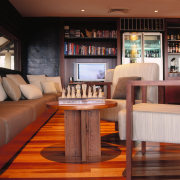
80, 50
173, 36
173, 47
155, 53
75, 33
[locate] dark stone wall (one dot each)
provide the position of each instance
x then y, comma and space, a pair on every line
42, 47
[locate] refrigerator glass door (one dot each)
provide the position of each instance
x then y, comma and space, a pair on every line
153, 50
132, 48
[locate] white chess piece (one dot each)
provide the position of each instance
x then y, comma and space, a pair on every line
63, 93
68, 92
89, 92
84, 87
78, 91
73, 92
100, 95
94, 92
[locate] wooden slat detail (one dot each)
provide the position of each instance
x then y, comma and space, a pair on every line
73, 133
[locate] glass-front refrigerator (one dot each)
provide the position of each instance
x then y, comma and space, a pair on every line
143, 48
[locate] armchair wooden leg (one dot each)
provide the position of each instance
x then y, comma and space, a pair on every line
143, 147
116, 126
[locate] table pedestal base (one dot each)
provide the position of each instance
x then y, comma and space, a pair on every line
82, 136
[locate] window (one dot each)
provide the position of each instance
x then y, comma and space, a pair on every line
6, 53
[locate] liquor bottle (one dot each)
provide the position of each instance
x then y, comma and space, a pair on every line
173, 48
177, 48
169, 36
172, 37
168, 47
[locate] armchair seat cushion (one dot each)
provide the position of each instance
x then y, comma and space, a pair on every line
111, 114
153, 122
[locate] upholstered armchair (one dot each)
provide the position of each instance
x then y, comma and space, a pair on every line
147, 121
146, 71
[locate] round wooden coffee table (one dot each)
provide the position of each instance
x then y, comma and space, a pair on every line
82, 130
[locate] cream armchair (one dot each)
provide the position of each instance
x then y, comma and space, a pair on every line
147, 71
149, 122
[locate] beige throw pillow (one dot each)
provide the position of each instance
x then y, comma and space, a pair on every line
120, 89
57, 81
30, 91
12, 90
16, 78
48, 87
3, 95
36, 80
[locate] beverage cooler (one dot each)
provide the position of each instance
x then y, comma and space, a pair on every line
143, 48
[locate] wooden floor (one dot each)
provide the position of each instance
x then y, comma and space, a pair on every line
43, 157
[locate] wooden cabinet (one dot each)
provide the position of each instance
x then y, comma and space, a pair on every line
172, 59
88, 41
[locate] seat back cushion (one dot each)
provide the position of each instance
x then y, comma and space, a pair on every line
147, 71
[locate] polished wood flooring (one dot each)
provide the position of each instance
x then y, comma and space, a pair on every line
43, 157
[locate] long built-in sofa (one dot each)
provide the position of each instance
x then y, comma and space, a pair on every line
20, 120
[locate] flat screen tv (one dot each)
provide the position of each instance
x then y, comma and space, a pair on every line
89, 71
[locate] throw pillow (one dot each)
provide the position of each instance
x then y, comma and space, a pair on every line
57, 81
30, 91
11, 89
36, 80
3, 95
120, 89
48, 87
16, 78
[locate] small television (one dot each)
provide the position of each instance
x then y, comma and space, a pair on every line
89, 71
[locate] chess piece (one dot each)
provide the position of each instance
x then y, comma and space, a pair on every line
78, 91
94, 92
63, 93
84, 87
73, 92
89, 92
68, 92
100, 95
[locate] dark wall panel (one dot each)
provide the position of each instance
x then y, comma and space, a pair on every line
43, 48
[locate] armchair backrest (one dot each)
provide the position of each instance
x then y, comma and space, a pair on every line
147, 71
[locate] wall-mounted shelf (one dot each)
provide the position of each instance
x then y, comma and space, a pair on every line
90, 56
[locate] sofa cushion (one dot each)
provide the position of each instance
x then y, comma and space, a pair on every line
57, 81
38, 106
16, 78
48, 87
14, 118
3, 95
36, 80
30, 91
120, 89
12, 90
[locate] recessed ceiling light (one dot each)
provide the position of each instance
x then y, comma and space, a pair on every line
156, 11
82, 10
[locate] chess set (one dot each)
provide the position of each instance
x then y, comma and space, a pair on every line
79, 94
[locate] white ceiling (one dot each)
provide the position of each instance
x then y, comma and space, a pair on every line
97, 8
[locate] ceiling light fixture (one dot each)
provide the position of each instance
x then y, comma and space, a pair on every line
82, 10
156, 11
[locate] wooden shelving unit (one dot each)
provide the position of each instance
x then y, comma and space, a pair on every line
102, 46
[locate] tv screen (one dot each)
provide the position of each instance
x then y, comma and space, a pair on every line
89, 71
